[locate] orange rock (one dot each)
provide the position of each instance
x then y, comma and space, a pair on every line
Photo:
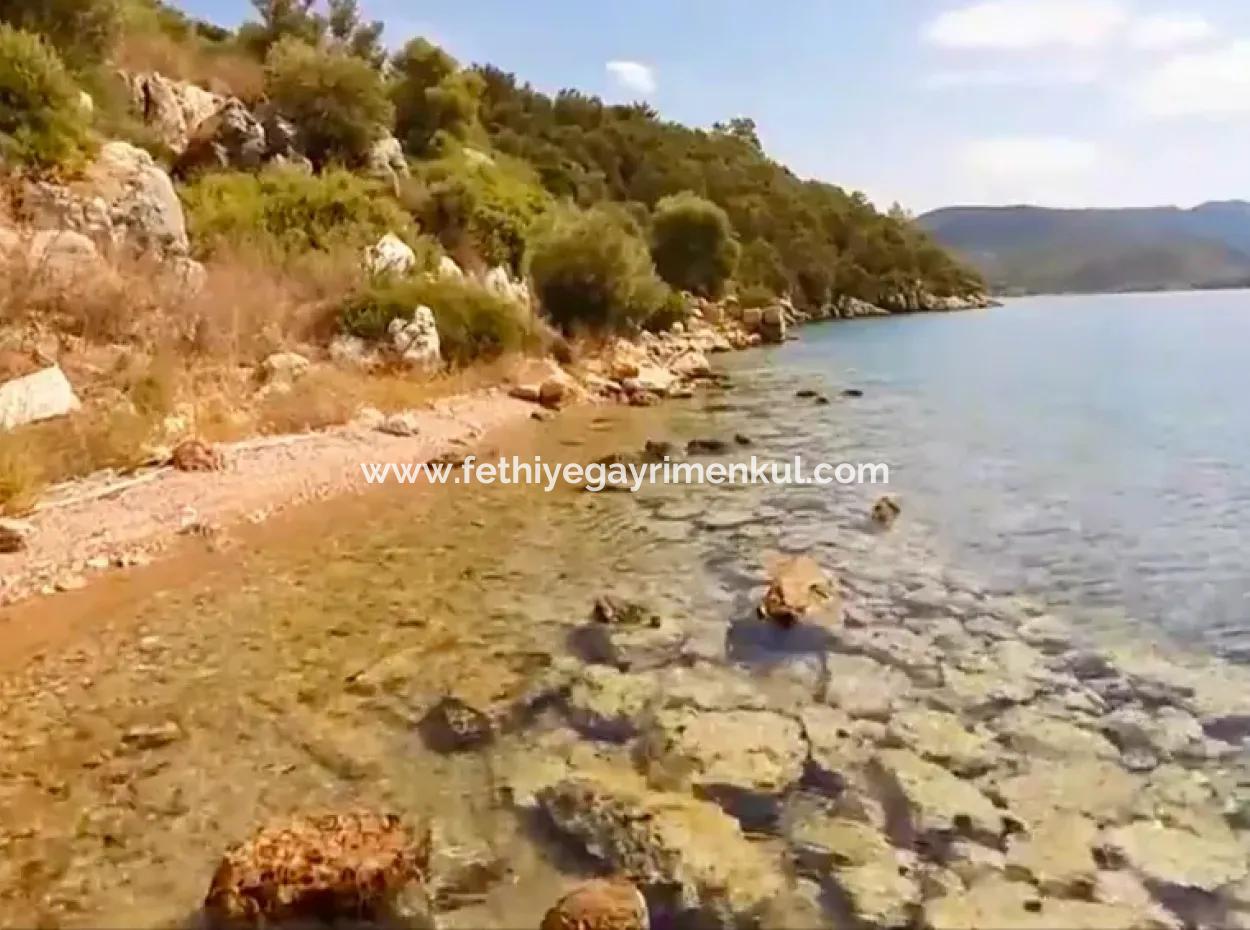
195, 455
602, 904
320, 867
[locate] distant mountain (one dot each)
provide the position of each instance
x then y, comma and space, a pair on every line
1026, 249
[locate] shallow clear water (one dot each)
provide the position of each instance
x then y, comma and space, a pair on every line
1092, 450
1057, 446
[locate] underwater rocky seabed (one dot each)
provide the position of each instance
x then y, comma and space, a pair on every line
949, 756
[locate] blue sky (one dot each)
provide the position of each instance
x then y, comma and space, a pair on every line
928, 102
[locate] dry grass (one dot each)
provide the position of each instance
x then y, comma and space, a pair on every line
223, 71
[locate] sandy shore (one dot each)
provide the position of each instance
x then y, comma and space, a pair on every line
108, 522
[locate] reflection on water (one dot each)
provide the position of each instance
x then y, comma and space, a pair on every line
293, 671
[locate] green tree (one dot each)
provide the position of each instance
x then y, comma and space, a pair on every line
340, 28
433, 97
82, 31
41, 120
592, 274
743, 129
336, 100
693, 244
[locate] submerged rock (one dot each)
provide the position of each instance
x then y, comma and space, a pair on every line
1095, 788
629, 636
1179, 858
454, 726
931, 803
943, 738
743, 759
689, 857
1056, 854
863, 687
602, 904
319, 868
798, 588
604, 703
1007, 905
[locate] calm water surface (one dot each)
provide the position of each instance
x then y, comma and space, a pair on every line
1092, 450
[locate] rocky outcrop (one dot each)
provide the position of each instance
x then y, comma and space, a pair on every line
321, 868
500, 282
232, 137
40, 396
386, 161
172, 109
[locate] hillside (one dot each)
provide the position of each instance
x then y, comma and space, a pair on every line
1034, 249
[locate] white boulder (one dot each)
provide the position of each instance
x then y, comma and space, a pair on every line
416, 340
449, 270
40, 396
390, 255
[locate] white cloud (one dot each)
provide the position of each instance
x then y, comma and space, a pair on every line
1170, 30
633, 76
1208, 83
1028, 24
1029, 157
1013, 77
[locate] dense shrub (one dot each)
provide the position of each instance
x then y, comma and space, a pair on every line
434, 98
41, 120
481, 208
291, 212
693, 244
336, 100
473, 323
592, 273
82, 31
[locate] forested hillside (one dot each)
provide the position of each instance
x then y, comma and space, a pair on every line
1033, 249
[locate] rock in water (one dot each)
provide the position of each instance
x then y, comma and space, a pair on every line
40, 396
885, 511
319, 868
799, 587
454, 726
603, 904
1168, 856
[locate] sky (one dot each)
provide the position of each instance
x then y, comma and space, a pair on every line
925, 102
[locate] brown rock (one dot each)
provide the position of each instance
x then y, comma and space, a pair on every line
196, 455
321, 867
602, 904
885, 511
799, 587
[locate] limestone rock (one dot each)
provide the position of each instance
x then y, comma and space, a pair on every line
232, 138
145, 210
284, 367
733, 756
602, 904
1056, 854
172, 109
629, 637
500, 282
1179, 858
319, 868
1095, 788
943, 738
933, 801
686, 854
65, 259
799, 587
39, 396
449, 270
1164, 733
196, 455
416, 341
453, 725
836, 748
385, 160
607, 704
899, 647
1008, 905
390, 255
1036, 734
864, 687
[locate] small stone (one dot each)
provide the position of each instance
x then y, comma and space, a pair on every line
196, 455
885, 511
404, 424
152, 737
